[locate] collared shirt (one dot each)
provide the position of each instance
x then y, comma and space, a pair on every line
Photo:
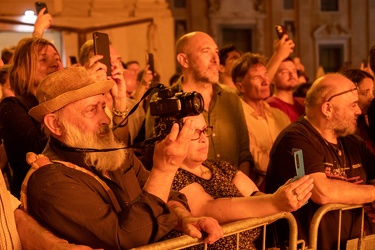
230, 139
9, 238
76, 207
263, 132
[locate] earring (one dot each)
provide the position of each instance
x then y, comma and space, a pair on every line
328, 117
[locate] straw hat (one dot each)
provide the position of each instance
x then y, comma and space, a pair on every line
64, 87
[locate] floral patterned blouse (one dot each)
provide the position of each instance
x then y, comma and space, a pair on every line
220, 185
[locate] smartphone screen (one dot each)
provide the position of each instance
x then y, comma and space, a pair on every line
39, 6
280, 30
101, 47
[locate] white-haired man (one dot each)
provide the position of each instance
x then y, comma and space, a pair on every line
92, 193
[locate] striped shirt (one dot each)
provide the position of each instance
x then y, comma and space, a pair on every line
9, 238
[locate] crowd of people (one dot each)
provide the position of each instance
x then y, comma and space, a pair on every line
76, 183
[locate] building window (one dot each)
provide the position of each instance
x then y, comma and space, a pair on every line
288, 4
329, 5
331, 57
239, 37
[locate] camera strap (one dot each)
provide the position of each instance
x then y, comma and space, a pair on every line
92, 150
136, 145
123, 121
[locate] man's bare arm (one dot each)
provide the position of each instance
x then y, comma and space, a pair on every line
34, 236
282, 49
168, 157
336, 191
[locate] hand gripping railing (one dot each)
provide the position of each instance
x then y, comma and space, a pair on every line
230, 229
314, 226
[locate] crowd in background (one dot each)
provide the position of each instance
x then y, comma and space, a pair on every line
233, 159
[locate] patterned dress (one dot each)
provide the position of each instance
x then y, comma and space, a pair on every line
220, 185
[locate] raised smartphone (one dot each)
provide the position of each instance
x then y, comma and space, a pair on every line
39, 6
280, 30
150, 61
298, 163
73, 60
101, 47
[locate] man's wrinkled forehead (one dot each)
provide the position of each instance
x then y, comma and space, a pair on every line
82, 104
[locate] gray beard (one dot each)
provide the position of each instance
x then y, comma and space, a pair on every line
102, 161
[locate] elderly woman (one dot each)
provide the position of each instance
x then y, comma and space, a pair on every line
218, 189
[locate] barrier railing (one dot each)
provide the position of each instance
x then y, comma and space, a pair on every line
230, 229
314, 226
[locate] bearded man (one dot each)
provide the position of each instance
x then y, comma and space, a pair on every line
285, 82
197, 55
94, 192
340, 164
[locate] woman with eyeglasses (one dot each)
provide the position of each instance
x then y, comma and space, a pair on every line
218, 189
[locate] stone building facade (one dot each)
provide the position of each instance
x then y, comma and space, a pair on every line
330, 33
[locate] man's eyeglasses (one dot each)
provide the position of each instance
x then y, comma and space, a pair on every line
344, 92
197, 133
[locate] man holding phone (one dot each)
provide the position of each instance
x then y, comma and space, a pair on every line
282, 73
340, 164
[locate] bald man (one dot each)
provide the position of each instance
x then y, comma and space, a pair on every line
334, 157
197, 54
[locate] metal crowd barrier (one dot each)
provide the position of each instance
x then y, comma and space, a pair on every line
363, 242
230, 229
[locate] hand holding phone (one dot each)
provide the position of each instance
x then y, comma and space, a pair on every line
101, 47
150, 61
299, 165
280, 30
39, 6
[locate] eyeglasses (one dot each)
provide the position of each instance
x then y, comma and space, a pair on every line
344, 92
197, 133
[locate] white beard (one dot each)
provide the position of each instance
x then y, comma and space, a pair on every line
102, 161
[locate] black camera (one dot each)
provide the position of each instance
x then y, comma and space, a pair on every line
171, 107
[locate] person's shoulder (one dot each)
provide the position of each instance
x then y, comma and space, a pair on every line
10, 100
273, 101
26, 102
47, 175
227, 95
353, 139
300, 127
227, 88
11, 107
277, 113
300, 101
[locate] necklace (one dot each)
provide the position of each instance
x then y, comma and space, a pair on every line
337, 149
204, 172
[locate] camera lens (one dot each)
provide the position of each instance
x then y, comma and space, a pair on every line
192, 103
